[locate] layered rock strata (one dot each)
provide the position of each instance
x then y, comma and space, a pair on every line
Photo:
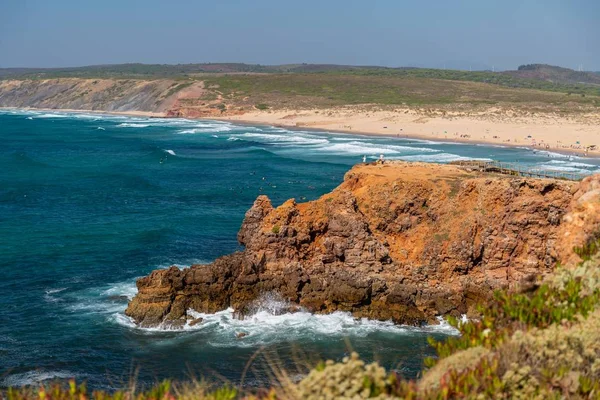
403, 242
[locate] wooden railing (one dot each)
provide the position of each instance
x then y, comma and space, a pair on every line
516, 169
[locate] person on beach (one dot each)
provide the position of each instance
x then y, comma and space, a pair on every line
364, 159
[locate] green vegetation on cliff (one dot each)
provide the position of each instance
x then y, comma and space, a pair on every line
410, 87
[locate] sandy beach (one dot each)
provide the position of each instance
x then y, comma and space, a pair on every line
572, 134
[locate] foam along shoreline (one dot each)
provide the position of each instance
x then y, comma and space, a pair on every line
556, 132
372, 126
131, 113
126, 121
272, 323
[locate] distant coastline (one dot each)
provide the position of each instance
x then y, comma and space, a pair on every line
373, 123
454, 107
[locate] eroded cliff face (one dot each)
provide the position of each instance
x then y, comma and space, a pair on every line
405, 242
163, 97
97, 94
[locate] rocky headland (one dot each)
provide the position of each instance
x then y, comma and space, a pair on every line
401, 241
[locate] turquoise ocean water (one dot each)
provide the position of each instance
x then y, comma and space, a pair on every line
88, 203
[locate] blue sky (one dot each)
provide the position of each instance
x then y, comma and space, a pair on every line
431, 33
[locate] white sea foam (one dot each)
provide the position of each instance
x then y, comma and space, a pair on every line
132, 125
552, 154
48, 294
357, 148
271, 324
35, 377
89, 116
563, 168
106, 300
344, 139
290, 138
112, 298
101, 128
57, 290
124, 121
205, 129
30, 118
127, 289
572, 164
437, 158
52, 115
179, 122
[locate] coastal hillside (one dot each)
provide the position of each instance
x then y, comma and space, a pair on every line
225, 89
93, 94
400, 241
441, 105
222, 95
533, 76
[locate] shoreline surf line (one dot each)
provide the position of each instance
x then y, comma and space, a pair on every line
593, 154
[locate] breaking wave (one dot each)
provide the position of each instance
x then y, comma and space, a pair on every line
272, 323
132, 125
291, 138
438, 158
35, 377
552, 154
565, 168
52, 115
572, 164
358, 148
205, 129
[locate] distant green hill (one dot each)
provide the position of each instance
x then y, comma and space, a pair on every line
131, 70
552, 73
533, 76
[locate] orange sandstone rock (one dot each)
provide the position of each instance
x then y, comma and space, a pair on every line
402, 241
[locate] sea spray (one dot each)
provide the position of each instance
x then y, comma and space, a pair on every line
270, 321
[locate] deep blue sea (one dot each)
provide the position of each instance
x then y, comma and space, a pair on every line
89, 203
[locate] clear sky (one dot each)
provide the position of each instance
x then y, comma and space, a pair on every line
432, 33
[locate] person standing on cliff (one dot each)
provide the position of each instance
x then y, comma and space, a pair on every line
364, 159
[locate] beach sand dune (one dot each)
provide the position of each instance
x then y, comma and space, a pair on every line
508, 127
